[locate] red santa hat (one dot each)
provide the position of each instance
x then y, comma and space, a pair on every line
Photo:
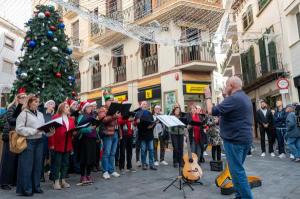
84, 105
92, 102
21, 91
71, 102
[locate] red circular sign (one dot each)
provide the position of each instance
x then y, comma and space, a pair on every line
283, 83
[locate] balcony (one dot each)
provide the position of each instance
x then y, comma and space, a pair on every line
232, 57
69, 14
150, 65
77, 44
183, 12
195, 58
120, 73
264, 74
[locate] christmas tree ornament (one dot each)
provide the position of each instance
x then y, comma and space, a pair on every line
61, 26
58, 75
32, 44
54, 49
43, 24
62, 89
38, 78
35, 37
42, 44
53, 28
40, 69
41, 15
23, 76
42, 58
61, 20
21, 59
69, 51
49, 21
67, 57
28, 39
70, 84
30, 57
43, 85
55, 39
50, 34
31, 69
38, 92
17, 63
51, 7
73, 93
47, 14
70, 78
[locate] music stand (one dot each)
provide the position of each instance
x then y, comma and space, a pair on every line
172, 121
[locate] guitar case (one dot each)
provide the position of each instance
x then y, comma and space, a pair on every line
223, 181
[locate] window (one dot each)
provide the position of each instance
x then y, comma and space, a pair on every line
248, 66
7, 67
94, 25
119, 64
113, 7
75, 33
96, 72
149, 58
298, 22
247, 18
9, 42
262, 4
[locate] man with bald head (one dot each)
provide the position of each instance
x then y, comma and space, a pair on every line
236, 130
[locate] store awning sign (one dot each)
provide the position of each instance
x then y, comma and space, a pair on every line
148, 94
121, 98
195, 88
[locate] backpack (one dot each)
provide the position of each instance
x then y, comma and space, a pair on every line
17, 142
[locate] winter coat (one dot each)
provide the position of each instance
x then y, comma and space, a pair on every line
61, 141
11, 116
29, 130
293, 131
125, 127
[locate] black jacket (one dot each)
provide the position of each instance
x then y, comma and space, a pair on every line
261, 119
11, 117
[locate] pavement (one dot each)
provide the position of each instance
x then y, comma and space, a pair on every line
281, 180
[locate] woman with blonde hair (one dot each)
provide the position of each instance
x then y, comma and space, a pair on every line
9, 161
61, 144
30, 160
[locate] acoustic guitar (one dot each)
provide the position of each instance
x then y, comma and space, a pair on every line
192, 171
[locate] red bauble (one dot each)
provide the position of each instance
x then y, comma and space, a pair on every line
60, 20
47, 14
73, 93
28, 39
58, 75
53, 28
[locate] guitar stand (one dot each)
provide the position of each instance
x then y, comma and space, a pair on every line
182, 183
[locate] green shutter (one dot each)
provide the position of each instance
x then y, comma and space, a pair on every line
244, 67
273, 56
251, 64
263, 55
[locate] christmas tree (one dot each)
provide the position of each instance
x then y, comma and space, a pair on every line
46, 67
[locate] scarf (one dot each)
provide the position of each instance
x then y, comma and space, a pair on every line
196, 129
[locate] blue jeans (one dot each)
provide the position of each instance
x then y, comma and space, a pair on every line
110, 144
294, 146
280, 133
236, 155
30, 167
147, 145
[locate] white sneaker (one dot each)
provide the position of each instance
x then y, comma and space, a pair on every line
106, 176
263, 154
249, 156
282, 156
292, 156
156, 163
115, 174
205, 153
164, 163
297, 160
138, 164
273, 154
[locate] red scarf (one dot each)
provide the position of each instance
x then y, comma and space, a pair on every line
196, 129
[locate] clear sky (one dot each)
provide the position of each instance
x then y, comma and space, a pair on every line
16, 11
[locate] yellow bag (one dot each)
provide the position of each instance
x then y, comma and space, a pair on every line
17, 143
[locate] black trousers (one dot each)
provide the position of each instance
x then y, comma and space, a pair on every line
216, 150
177, 142
271, 139
125, 150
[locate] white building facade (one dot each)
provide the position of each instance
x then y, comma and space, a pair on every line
11, 39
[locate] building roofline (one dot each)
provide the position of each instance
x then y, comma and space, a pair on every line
13, 28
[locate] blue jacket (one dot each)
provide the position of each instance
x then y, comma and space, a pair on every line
280, 119
293, 130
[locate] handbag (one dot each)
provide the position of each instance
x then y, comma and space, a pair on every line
17, 142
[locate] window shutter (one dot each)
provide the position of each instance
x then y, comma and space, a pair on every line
251, 63
244, 67
273, 56
263, 55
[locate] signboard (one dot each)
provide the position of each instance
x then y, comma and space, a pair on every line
195, 88
282, 83
148, 94
284, 91
121, 98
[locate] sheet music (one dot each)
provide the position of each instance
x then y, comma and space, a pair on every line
170, 120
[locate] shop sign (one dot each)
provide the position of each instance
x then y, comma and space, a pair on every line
121, 98
148, 94
195, 88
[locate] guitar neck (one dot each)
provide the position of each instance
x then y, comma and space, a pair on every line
188, 144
